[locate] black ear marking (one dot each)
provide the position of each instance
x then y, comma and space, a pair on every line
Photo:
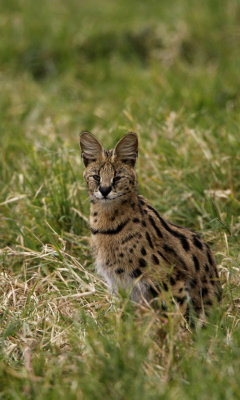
86, 160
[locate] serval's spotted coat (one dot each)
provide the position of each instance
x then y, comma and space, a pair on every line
135, 248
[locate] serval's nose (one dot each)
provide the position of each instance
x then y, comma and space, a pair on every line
105, 190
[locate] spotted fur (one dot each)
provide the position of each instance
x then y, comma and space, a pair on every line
135, 247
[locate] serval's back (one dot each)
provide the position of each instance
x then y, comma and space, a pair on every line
135, 248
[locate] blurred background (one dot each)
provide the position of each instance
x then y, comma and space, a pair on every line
111, 66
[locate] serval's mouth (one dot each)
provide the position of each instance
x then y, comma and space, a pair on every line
111, 198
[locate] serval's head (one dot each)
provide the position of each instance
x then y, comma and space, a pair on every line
109, 174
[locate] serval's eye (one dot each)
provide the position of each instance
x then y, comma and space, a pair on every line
96, 178
116, 179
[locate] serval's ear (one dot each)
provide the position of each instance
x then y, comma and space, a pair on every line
90, 146
126, 149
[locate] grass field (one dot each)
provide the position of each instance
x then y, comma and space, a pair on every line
169, 71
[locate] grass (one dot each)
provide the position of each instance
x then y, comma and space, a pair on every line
169, 71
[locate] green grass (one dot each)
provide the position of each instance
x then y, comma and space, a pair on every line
169, 71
